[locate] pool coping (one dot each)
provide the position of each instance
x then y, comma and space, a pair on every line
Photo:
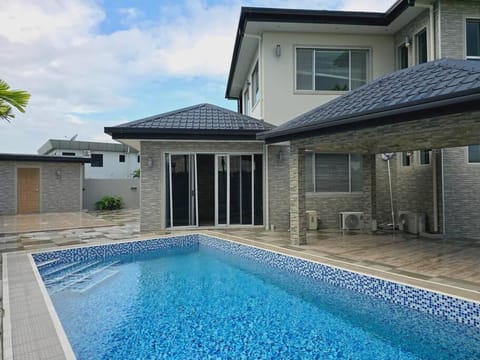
63, 339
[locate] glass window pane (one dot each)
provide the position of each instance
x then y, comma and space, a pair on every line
235, 189
222, 189
167, 191
331, 173
309, 172
474, 154
356, 172
255, 85
402, 57
473, 38
424, 157
304, 69
258, 189
246, 190
359, 68
421, 40
406, 158
332, 70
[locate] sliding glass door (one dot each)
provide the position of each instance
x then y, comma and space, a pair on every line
214, 189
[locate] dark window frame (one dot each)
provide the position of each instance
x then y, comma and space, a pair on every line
425, 157
407, 158
421, 54
470, 152
403, 56
121, 158
96, 160
476, 56
366, 51
312, 181
68, 153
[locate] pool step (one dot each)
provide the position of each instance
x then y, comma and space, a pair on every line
94, 281
45, 263
71, 273
78, 279
60, 268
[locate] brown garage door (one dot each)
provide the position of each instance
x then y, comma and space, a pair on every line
28, 194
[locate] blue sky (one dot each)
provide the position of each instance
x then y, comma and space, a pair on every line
95, 63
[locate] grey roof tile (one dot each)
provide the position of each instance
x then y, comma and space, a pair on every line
205, 117
421, 83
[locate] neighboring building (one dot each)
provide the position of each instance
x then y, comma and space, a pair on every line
108, 160
34, 183
288, 62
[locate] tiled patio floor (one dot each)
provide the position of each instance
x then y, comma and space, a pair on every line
13, 224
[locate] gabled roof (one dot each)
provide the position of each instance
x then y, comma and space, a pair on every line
203, 121
255, 20
434, 88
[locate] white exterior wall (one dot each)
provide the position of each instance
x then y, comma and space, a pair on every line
280, 101
112, 167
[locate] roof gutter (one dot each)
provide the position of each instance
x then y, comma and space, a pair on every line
443, 106
252, 14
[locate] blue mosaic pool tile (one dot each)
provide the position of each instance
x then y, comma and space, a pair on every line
448, 307
445, 306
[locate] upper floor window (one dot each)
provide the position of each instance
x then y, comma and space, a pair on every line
421, 46
474, 154
403, 57
425, 157
121, 158
333, 172
138, 158
406, 158
96, 160
473, 39
331, 69
66, 153
255, 85
246, 102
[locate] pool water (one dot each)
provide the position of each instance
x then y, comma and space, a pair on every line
202, 303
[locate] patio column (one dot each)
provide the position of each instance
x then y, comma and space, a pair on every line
298, 221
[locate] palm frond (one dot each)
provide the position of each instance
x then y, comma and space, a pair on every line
16, 98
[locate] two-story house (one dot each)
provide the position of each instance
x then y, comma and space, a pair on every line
287, 62
206, 166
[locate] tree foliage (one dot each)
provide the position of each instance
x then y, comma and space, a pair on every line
11, 98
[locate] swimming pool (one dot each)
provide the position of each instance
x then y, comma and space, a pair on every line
201, 297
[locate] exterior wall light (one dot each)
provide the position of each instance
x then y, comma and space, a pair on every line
278, 50
408, 41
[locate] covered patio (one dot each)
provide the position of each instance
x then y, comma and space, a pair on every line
435, 105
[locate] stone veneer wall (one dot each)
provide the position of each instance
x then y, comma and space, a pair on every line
152, 182
462, 194
279, 186
8, 188
57, 193
453, 14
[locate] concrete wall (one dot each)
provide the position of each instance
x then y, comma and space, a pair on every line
60, 186
281, 101
112, 167
127, 189
152, 194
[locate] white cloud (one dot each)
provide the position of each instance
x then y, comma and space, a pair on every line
53, 49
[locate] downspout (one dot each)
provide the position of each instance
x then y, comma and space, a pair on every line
267, 188
434, 162
443, 197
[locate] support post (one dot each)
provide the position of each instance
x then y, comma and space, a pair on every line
298, 221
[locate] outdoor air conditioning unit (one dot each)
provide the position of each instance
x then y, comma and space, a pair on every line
312, 220
86, 153
351, 220
410, 222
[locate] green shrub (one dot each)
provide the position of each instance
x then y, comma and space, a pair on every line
109, 203
136, 173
